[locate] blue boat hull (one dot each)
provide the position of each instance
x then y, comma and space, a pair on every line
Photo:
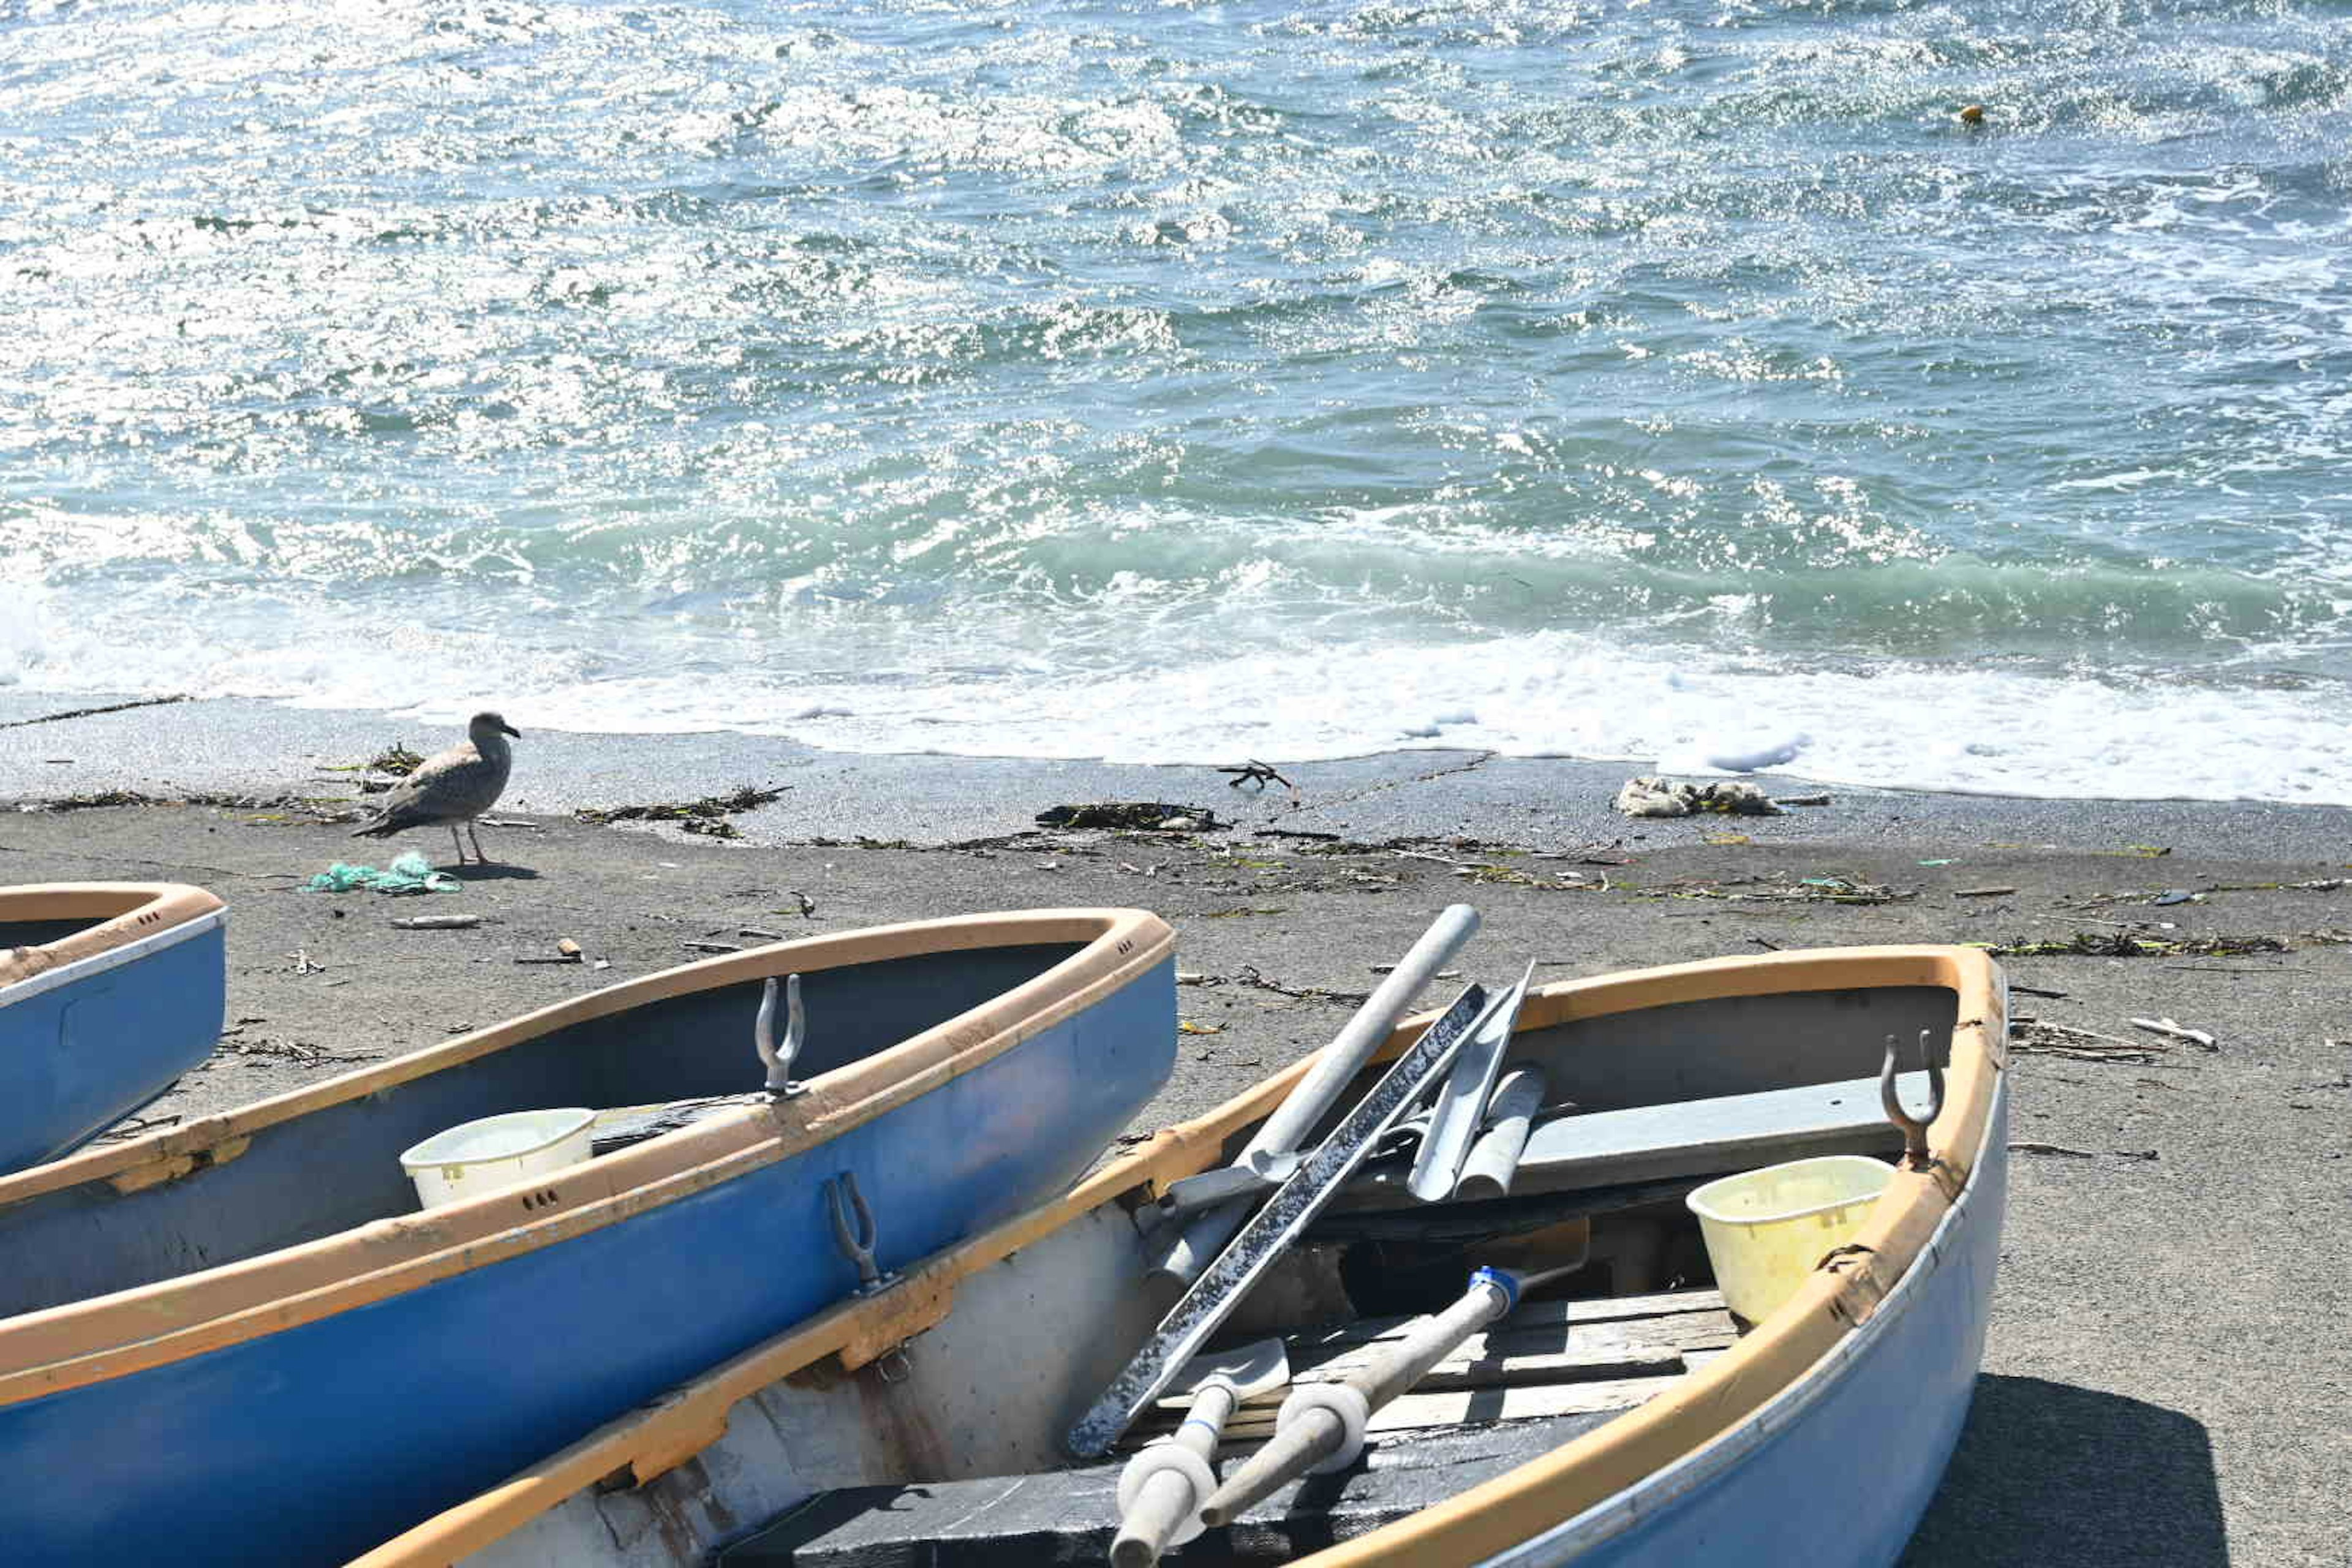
314, 1443
1838, 1470
86, 1046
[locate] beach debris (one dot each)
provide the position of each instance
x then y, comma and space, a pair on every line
1186, 1027
1803, 800
304, 964
1810, 891
1729, 839
566, 951
438, 923
2176, 896
410, 873
92, 713
2036, 990
395, 762
2124, 944
1134, 816
2061, 1150
712, 946
754, 932
93, 800
2039, 1036
1261, 775
706, 817
1649, 796
2171, 1029
1981, 892
1946, 860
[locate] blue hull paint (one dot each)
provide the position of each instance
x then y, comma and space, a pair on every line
1845, 1480
316, 1442
79, 1056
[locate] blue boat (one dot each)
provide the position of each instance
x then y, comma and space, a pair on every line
244, 1332
109, 992
1626, 1411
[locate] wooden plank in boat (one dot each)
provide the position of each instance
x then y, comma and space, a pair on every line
1539, 1332
1070, 1516
1419, 1412
1550, 1314
1579, 1362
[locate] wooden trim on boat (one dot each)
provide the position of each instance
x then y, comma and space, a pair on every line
126, 912
1488, 1519
86, 1342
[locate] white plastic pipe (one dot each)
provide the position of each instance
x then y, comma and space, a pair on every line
1333, 1069
1495, 1158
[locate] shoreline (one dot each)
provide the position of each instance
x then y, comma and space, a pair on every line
249, 747
2145, 1304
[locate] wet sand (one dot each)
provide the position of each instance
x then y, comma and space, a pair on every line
2167, 1371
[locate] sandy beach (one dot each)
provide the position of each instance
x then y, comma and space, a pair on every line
2167, 1373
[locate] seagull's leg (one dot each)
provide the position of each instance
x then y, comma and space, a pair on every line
479, 858
456, 843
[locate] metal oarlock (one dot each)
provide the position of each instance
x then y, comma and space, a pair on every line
1916, 1154
853, 1231
778, 1059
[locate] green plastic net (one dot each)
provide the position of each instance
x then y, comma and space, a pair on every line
409, 874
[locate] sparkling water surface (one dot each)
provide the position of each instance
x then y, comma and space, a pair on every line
1669, 381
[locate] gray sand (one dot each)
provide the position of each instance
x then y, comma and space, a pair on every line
2165, 1377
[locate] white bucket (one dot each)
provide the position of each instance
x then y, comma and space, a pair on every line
472, 1157
1766, 1230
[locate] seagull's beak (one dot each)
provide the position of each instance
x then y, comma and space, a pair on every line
511, 730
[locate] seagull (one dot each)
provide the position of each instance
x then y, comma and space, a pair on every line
457, 785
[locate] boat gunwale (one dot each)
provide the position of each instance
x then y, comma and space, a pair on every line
79, 1342
1711, 1402
134, 918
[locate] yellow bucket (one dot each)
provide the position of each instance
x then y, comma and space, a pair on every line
1766, 1230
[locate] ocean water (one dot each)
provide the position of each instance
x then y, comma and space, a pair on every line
1679, 381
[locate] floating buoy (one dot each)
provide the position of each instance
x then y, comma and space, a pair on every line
1972, 115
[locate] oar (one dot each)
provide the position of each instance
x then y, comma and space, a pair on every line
1320, 1428
1162, 1488
1334, 1066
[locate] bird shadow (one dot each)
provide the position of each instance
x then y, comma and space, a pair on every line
2047, 1472
494, 872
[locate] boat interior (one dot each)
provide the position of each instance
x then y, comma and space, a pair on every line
955, 1455
326, 1159
76, 920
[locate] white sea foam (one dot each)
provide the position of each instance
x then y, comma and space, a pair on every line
1550, 694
